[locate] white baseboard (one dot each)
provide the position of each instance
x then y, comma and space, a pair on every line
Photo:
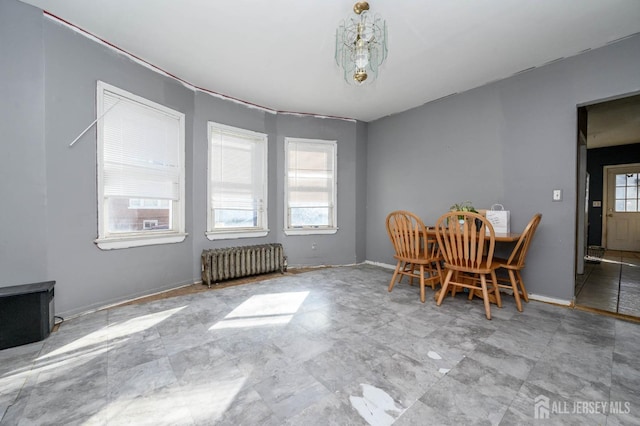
68, 315
553, 300
380, 264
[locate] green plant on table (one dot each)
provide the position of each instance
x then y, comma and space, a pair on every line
465, 206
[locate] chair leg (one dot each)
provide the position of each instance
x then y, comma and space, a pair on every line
395, 275
454, 289
524, 294
443, 290
432, 273
496, 289
516, 292
422, 295
410, 267
402, 270
439, 274
485, 296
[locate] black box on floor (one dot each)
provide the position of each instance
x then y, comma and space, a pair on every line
26, 313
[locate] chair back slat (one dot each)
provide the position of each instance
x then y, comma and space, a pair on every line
408, 235
463, 240
519, 252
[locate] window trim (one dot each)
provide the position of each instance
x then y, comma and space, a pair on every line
109, 241
233, 233
310, 230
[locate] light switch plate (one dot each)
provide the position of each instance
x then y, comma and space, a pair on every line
557, 195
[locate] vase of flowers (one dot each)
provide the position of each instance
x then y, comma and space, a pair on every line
465, 206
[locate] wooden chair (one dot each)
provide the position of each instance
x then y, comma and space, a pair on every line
468, 255
515, 263
417, 254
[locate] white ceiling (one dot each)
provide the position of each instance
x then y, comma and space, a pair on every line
279, 54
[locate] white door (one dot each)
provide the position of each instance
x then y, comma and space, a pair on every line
622, 219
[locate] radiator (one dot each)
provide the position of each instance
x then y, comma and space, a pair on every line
236, 262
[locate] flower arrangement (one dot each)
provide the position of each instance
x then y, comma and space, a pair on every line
465, 206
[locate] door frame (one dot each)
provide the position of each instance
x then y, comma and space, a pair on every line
605, 195
582, 214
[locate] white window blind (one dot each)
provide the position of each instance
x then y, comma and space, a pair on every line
311, 183
238, 179
141, 156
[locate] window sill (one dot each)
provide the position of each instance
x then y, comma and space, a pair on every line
112, 243
310, 231
228, 235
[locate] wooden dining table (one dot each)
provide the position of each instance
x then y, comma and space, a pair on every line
501, 237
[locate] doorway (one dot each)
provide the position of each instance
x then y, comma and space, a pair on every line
611, 283
608, 210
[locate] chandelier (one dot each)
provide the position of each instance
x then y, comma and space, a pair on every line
361, 45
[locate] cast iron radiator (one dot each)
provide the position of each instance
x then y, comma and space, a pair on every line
236, 262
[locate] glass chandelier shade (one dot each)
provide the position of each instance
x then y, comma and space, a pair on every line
361, 45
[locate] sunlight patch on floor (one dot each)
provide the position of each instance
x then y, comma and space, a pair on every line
263, 310
125, 328
617, 262
174, 404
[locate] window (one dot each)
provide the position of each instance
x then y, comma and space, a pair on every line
140, 171
310, 188
237, 201
627, 192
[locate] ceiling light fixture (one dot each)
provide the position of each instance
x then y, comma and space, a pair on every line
361, 45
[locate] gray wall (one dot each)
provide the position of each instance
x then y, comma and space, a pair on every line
209, 108
23, 189
335, 249
48, 80
86, 276
511, 142
361, 193
329, 249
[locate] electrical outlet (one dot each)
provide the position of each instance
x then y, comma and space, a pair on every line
557, 195
313, 246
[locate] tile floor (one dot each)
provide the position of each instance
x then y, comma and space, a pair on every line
612, 285
329, 346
